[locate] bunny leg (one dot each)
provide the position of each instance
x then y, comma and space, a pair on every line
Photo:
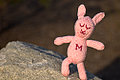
81, 70
65, 67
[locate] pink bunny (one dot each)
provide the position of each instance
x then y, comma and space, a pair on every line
76, 52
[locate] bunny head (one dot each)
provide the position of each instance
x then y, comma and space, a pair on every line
85, 25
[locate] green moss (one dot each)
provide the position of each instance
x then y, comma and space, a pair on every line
45, 3
12, 2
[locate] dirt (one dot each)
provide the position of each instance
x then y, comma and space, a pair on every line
44, 26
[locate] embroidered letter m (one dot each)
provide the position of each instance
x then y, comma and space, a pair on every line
78, 47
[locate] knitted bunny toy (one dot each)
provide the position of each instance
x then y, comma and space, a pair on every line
76, 52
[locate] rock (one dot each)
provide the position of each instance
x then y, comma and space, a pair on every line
23, 61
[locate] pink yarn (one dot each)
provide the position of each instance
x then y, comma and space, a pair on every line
76, 52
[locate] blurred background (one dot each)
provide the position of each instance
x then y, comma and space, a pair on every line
41, 21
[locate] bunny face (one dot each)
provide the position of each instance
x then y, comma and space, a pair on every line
84, 27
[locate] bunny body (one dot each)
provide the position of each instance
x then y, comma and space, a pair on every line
76, 52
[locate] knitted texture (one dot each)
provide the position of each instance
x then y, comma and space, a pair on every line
76, 52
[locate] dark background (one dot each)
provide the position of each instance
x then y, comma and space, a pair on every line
41, 21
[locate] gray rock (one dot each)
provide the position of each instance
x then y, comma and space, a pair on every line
23, 61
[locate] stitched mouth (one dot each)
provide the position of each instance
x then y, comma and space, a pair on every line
83, 32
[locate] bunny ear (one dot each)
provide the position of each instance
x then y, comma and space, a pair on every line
98, 17
81, 11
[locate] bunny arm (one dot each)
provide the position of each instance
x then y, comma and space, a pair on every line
95, 44
61, 40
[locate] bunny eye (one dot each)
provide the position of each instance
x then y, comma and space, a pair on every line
87, 27
82, 25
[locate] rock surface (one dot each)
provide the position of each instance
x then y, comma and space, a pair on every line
23, 61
